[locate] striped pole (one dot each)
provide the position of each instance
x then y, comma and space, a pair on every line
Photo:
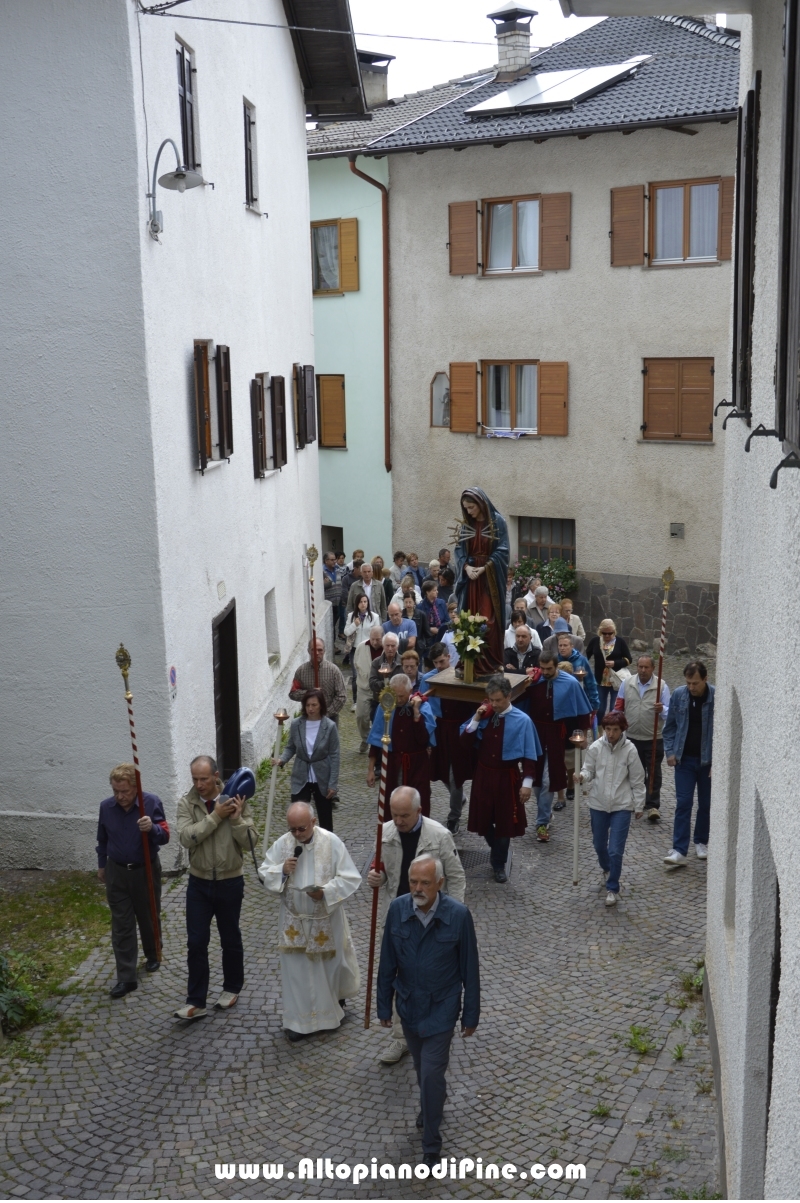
388, 702
123, 660
311, 556
667, 580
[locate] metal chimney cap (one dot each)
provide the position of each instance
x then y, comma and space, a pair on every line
512, 16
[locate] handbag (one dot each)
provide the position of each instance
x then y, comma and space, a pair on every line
617, 676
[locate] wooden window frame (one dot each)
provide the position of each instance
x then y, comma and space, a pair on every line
348, 272
332, 376
540, 519
485, 364
329, 292
446, 375
744, 249
787, 381
258, 415
222, 368
686, 184
186, 105
277, 411
485, 211
677, 436
202, 402
250, 158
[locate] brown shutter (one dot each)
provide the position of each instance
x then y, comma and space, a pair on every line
310, 402
298, 406
553, 398
463, 398
222, 363
202, 404
554, 220
278, 415
696, 399
348, 254
627, 226
787, 382
259, 424
463, 234
661, 390
332, 428
744, 257
726, 192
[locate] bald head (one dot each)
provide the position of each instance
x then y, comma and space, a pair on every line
405, 804
301, 820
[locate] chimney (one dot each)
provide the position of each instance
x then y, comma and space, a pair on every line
375, 76
513, 29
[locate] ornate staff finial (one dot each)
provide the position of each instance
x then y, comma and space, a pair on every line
387, 702
668, 579
312, 555
123, 659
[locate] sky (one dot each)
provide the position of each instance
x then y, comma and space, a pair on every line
421, 64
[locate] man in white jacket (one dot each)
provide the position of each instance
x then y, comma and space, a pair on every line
615, 776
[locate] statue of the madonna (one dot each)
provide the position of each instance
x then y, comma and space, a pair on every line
482, 568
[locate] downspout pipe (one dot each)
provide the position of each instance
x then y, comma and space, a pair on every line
387, 388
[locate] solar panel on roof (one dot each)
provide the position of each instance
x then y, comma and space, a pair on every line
556, 89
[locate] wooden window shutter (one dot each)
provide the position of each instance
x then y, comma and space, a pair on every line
202, 404
661, 392
696, 402
310, 401
222, 363
726, 193
554, 228
787, 391
259, 424
278, 416
463, 234
745, 252
348, 254
463, 398
332, 418
553, 399
627, 226
298, 406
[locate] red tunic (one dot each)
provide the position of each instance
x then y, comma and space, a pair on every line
552, 733
449, 752
409, 759
494, 796
479, 601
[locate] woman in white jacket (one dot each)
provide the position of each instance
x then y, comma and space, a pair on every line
616, 778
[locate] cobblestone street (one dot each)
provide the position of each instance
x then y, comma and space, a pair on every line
133, 1104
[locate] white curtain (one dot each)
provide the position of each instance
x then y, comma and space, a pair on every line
498, 395
704, 209
326, 258
500, 237
441, 400
669, 223
526, 396
528, 233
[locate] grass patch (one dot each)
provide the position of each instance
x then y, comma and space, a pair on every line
634, 1190
601, 1110
704, 1086
674, 1153
678, 1051
701, 1193
639, 1040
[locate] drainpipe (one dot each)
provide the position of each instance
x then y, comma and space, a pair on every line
387, 396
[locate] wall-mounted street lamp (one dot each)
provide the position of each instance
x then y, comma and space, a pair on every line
178, 180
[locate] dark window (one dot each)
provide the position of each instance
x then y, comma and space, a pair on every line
787, 374
278, 420
224, 408
744, 258
250, 191
258, 415
226, 691
547, 539
186, 101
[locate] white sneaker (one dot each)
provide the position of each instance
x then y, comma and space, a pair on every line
353, 708
225, 1001
611, 899
701, 851
675, 859
604, 878
397, 1049
190, 1012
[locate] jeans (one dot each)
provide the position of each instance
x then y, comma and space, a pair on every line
456, 799
608, 697
323, 806
609, 833
430, 1055
645, 748
499, 848
689, 772
129, 903
220, 900
544, 798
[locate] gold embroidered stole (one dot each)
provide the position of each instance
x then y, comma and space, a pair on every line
319, 945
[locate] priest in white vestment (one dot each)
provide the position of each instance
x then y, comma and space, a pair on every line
318, 960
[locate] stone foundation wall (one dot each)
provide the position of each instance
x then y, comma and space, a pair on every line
634, 603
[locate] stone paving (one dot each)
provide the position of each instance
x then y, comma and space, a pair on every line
130, 1103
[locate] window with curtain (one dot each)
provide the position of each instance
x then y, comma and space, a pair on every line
325, 256
512, 235
685, 222
440, 400
547, 539
511, 391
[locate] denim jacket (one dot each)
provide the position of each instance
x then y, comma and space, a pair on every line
676, 727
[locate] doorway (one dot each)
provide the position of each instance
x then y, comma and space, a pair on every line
226, 691
332, 538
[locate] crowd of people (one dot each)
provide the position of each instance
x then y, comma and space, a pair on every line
549, 693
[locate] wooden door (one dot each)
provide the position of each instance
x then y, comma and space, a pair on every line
226, 691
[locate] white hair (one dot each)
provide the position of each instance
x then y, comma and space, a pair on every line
390, 635
402, 680
426, 856
416, 801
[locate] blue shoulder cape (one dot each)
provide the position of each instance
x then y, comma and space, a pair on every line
568, 697
434, 703
376, 731
520, 741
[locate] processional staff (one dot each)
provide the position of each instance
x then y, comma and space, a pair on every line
282, 717
667, 581
387, 701
311, 556
123, 659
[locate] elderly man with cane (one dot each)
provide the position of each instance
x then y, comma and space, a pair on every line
429, 958
406, 837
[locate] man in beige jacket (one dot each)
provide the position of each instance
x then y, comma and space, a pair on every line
217, 830
407, 835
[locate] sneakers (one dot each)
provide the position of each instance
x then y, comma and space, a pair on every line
453, 826
395, 1052
225, 1001
570, 795
542, 835
604, 878
559, 804
675, 859
611, 899
654, 814
702, 851
353, 708
190, 1012
363, 747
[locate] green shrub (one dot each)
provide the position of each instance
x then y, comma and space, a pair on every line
559, 575
18, 1007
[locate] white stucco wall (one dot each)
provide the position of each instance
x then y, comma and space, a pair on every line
756, 760
111, 533
604, 321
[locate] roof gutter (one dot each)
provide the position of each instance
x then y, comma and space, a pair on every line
387, 394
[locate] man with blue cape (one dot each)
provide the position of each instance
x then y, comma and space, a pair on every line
500, 739
481, 571
558, 706
412, 728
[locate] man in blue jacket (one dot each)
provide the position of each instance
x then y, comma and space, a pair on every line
688, 738
429, 955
